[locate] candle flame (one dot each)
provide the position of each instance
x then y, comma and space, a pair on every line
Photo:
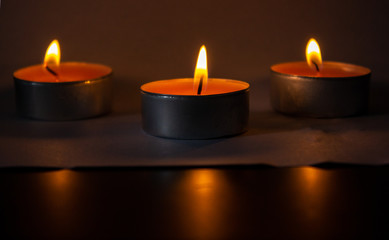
201, 72
53, 54
313, 55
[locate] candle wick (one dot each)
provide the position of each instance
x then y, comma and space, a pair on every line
316, 66
200, 86
51, 71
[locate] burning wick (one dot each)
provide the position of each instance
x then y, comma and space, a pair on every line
200, 86
313, 55
52, 56
51, 71
316, 66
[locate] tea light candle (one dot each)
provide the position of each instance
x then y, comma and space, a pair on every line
319, 89
195, 108
63, 91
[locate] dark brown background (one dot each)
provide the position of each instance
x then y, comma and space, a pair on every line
151, 40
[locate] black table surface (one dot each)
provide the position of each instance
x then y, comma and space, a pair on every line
252, 202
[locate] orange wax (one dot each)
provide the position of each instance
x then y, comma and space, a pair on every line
328, 70
184, 86
67, 72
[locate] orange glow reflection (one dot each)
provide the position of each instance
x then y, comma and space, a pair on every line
207, 192
310, 176
59, 193
312, 187
60, 180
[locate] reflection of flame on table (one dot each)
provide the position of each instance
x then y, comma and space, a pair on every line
60, 180
60, 186
312, 187
59, 191
204, 209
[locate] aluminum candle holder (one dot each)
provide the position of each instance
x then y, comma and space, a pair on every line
63, 100
320, 97
195, 116
317, 88
58, 90
195, 108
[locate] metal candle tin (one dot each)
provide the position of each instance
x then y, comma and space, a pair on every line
320, 97
195, 116
63, 100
